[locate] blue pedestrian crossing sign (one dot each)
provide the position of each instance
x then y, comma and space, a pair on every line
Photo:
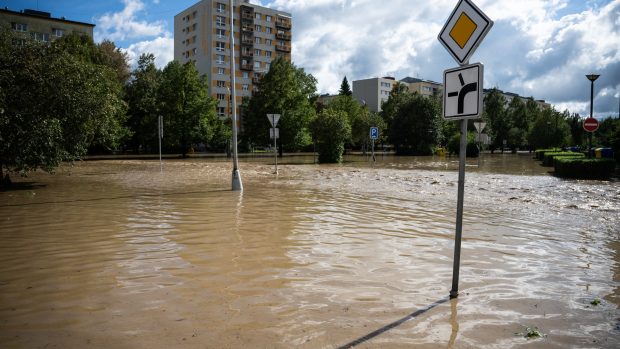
374, 133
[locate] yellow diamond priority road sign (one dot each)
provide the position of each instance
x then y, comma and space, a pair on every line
464, 31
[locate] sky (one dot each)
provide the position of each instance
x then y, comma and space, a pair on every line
538, 48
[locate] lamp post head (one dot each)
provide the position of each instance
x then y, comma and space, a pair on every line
592, 77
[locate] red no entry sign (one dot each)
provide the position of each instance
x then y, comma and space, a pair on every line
590, 124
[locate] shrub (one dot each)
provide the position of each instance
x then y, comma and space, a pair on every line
584, 168
454, 145
540, 153
331, 130
549, 157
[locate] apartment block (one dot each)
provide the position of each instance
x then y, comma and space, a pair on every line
374, 91
424, 87
40, 25
202, 36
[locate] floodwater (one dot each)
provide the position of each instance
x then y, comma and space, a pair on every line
123, 254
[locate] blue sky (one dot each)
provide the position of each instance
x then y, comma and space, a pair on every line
539, 48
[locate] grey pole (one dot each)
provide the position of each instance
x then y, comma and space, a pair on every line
237, 185
275, 144
160, 132
459, 212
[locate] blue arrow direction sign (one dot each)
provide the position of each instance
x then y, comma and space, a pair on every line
374, 133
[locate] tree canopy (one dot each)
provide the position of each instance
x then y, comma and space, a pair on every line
288, 91
55, 104
345, 89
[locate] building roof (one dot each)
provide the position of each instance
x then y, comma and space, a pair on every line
41, 15
410, 80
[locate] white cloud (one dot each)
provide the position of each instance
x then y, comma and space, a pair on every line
540, 48
161, 47
125, 24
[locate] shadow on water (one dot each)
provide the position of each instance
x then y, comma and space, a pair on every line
401, 321
21, 186
112, 197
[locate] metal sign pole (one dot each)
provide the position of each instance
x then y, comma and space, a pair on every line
160, 132
459, 211
275, 148
373, 153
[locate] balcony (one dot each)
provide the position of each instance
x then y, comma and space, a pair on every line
247, 42
247, 29
256, 79
247, 66
247, 54
283, 48
283, 36
248, 16
283, 24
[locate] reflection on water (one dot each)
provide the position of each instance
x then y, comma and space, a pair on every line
117, 254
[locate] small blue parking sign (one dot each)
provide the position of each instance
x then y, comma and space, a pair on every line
374, 133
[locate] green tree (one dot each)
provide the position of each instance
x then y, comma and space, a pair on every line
142, 96
548, 130
54, 106
615, 140
389, 108
495, 115
577, 133
187, 108
602, 137
345, 89
331, 130
517, 134
416, 125
288, 91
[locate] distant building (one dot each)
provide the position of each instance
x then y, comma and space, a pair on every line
201, 36
325, 99
374, 91
509, 96
423, 87
41, 26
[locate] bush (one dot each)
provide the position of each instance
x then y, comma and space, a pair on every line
584, 168
540, 153
331, 130
454, 145
549, 157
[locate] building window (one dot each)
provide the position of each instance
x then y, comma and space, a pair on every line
267, 41
219, 59
221, 96
221, 71
267, 66
221, 7
20, 27
268, 30
220, 46
220, 83
58, 32
246, 75
40, 36
256, 65
245, 87
256, 52
267, 53
258, 28
268, 18
220, 21
257, 16
194, 27
194, 14
221, 111
194, 51
257, 40
220, 33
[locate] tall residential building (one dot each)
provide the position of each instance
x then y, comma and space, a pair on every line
372, 92
201, 36
40, 25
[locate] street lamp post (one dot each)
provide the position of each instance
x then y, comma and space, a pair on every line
236, 175
592, 78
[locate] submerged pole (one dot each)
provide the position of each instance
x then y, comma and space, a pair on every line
237, 185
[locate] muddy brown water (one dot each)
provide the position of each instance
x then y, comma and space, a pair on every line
118, 254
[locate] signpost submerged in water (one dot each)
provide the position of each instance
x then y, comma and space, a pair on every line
461, 35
